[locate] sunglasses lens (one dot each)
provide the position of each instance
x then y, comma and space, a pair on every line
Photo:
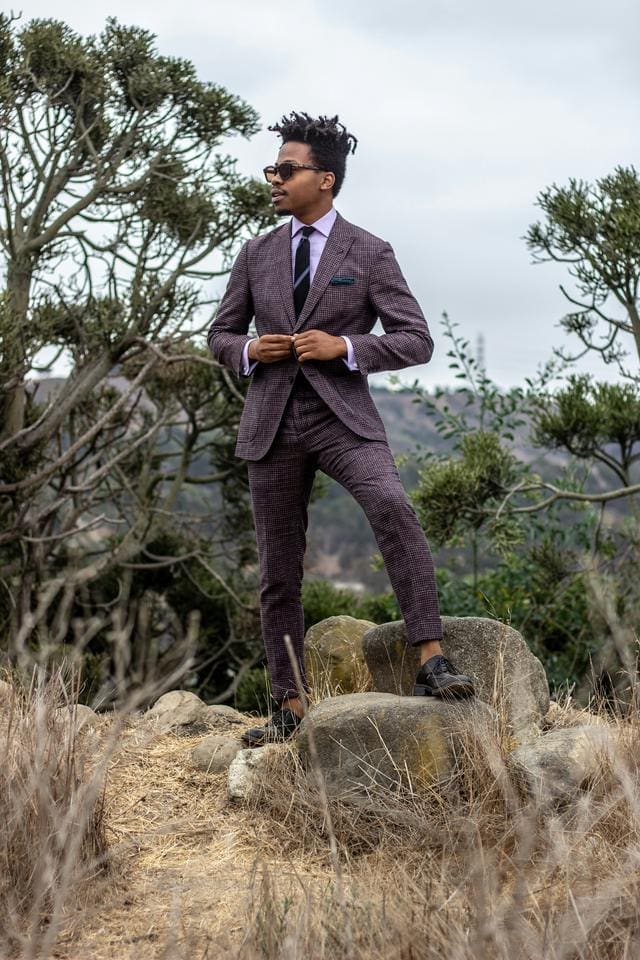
269, 173
285, 170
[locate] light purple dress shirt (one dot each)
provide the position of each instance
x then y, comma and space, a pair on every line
317, 240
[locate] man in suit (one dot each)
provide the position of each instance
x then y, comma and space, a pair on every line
315, 287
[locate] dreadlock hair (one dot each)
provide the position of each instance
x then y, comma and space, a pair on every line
328, 139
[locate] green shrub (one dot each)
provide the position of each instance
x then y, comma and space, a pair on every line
321, 599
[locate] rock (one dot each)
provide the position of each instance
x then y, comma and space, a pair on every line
219, 714
566, 715
364, 739
78, 714
215, 753
248, 768
334, 658
563, 762
178, 708
506, 673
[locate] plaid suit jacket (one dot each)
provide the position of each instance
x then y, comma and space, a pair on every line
357, 281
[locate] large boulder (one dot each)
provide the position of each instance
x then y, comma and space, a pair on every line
506, 673
333, 655
563, 762
367, 739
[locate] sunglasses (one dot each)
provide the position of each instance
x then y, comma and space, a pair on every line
286, 170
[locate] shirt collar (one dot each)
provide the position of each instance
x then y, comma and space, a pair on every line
323, 225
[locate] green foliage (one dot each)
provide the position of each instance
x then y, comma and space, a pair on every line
543, 600
595, 229
481, 404
253, 693
587, 418
539, 587
464, 493
121, 500
321, 599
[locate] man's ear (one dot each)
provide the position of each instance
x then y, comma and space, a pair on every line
328, 181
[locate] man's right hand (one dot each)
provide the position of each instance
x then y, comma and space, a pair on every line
270, 348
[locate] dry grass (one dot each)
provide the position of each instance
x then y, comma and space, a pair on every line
51, 817
472, 869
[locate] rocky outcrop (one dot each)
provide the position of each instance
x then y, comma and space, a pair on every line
334, 659
368, 739
181, 711
561, 763
506, 673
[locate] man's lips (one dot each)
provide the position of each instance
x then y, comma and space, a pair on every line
277, 195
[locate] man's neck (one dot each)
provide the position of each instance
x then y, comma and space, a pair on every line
313, 215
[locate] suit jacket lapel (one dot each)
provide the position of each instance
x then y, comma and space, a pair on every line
283, 271
335, 250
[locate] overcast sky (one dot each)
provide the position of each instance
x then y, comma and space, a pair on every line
464, 111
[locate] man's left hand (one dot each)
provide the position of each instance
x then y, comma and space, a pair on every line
317, 345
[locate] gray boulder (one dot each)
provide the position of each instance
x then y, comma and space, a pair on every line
77, 716
333, 655
178, 708
249, 767
563, 762
215, 753
368, 739
218, 714
506, 673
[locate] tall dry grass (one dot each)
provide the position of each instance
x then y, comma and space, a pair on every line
472, 869
52, 835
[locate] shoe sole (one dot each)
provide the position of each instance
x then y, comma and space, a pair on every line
456, 691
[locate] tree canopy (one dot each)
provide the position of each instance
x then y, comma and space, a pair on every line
120, 208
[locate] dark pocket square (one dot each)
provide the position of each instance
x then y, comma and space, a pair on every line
340, 281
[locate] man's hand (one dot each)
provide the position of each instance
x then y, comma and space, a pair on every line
271, 347
316, 345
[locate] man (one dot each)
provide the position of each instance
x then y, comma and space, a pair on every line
316, 287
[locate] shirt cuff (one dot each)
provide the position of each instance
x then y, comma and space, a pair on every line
350, 359
247, 366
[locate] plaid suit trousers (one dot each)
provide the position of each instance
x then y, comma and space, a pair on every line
311, 437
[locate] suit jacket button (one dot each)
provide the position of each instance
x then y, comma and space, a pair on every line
291, 379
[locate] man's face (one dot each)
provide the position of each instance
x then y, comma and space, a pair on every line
305, 190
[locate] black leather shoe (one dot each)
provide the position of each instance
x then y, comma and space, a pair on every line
439, 678
281, 726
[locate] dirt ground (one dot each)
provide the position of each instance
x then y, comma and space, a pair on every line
184, 860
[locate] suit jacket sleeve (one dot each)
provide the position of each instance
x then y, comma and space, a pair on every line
228, 333
406, 340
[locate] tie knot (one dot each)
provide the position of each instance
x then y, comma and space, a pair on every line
307, 231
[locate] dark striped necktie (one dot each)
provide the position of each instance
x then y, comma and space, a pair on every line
302, 270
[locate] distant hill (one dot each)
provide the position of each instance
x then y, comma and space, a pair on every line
340, 542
